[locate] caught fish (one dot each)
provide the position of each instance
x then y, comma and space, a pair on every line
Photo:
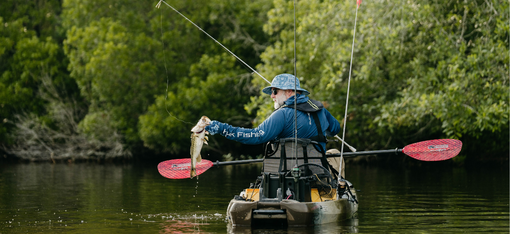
198, 139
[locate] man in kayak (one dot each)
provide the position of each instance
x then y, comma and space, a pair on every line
281, 122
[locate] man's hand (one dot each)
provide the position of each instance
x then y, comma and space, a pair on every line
213, 127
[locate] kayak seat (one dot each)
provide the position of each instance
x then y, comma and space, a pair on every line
278, 180
283, 154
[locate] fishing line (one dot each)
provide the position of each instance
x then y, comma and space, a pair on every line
231, 53
358, 3
166, 69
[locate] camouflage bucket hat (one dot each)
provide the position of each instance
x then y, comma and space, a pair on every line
285, 82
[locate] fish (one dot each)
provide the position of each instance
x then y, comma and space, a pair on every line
198, 139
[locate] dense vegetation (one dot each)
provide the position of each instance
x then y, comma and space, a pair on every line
115, 79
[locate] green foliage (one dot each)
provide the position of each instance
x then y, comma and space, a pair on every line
30, 55
122, 54
215, 88
421, 69
38, 16
25, 59
115, 71
461, 74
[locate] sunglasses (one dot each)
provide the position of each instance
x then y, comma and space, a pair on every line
275, 91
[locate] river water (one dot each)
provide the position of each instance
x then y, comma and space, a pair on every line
134, 198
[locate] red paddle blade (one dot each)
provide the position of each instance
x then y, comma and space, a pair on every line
434, 150
181, 168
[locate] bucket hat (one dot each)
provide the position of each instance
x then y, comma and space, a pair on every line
284, 81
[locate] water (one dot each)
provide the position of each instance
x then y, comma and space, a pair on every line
133, 198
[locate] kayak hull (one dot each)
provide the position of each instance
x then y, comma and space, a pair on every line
291, 213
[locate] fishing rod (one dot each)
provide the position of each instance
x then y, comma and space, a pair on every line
295, 168
231, 53
358, 3
427, 151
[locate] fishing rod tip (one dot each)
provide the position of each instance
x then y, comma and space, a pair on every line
159, 4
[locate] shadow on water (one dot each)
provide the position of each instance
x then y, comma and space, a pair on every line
134, 198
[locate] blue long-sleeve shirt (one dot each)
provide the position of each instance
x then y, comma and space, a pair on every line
281, 125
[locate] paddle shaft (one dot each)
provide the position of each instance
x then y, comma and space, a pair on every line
431, 150
369, 152
218, 163
346, 154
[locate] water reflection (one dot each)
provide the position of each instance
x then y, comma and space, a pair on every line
345, 226
132, 198
180, 226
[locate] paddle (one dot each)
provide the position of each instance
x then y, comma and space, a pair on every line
431, 150
180, 168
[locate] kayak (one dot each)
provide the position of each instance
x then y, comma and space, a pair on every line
289, 212
296, 188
